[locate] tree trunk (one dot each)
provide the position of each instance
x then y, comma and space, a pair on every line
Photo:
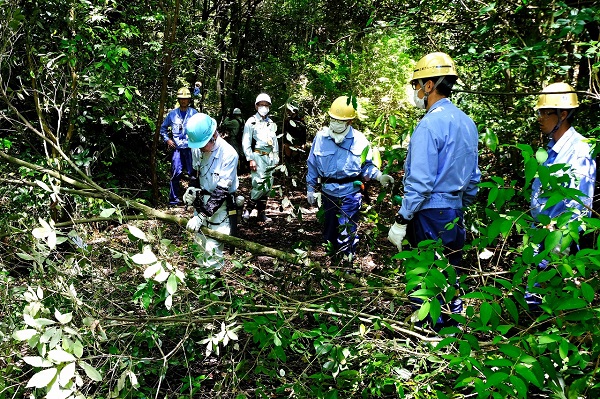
170, 35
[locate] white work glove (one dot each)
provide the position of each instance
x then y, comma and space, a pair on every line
190, 195
397, 234
385, 180
196, 223
310, 197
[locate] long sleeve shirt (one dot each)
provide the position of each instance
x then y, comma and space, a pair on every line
177, 120
329, 160
264, 133
441, 168
217, 168
572, 150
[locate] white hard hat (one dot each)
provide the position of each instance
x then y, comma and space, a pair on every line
237, 111
262, 97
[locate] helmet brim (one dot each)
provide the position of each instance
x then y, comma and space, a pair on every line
203, 142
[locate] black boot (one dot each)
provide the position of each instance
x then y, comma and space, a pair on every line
262, 215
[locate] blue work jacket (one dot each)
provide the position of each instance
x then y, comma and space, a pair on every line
177, 123
441, 169
572, 150
338, 161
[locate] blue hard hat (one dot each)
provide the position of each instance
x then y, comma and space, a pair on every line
200, 129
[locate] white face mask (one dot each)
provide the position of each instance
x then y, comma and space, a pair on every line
337, 126
419, 102
339, 137
263, 111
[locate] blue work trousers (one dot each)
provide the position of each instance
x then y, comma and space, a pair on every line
430, 224
181, 161
341, 222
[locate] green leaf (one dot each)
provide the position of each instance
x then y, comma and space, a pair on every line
393, 121
478, 295
24, 335
587, 291
107, 212
145, 258
511, 308
60, 356
435, 310
152, 270
78, 349
553, 239
136, 232
42, 378
571, 303
541, 155
487, 8
519, 386
548, 339
496, 378
464, 349
423, 294
66, 374
531, 168
44, 186
276, 339
493, 194
63, 318
90, 371
424, 310
445, 342
528, 375
172, 284
485, 312
36, 361
510, 350
490, 139
376, 157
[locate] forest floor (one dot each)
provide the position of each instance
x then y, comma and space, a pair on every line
295, 224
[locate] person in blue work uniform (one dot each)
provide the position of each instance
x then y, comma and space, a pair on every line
215, 160
555, 115
556, 112
336, 169
181, 160
441, 170
261, 149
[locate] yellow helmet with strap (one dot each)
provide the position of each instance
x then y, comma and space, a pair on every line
560, 95
342, 109
434, 64
184, 92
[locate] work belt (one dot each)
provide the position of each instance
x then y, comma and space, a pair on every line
327, 180
262, 152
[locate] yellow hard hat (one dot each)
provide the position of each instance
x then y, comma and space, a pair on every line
342, 109
434, 64
184, 92
563, 97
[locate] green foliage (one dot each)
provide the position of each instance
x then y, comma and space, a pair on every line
145, 321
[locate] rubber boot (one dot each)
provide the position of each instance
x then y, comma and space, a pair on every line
262, 215
246, 215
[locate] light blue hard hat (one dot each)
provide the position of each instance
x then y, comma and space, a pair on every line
200, 129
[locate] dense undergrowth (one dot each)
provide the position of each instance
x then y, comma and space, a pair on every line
121, 310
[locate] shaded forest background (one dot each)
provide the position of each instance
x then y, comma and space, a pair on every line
100, 294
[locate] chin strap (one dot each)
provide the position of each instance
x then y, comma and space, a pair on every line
560, 121
440, 80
